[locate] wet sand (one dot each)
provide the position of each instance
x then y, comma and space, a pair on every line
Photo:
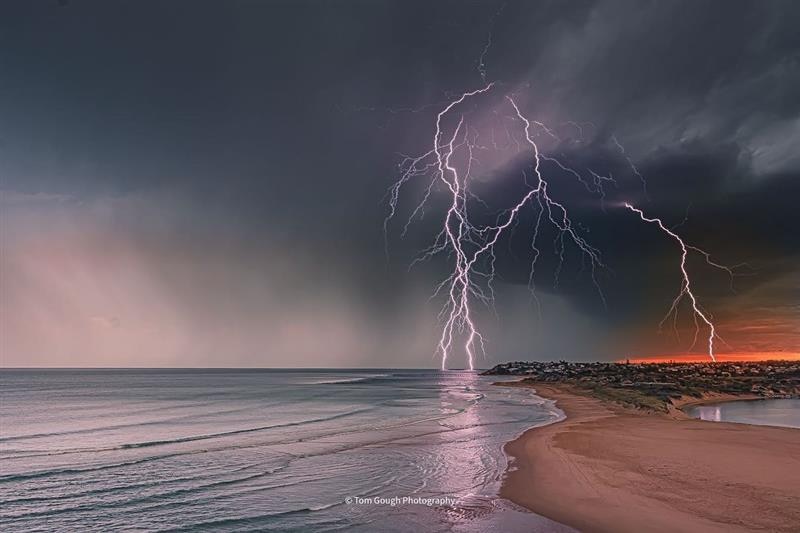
608, 468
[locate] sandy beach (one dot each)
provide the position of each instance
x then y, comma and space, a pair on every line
608, 468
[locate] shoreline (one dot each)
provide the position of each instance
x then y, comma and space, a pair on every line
713, 398
610, 468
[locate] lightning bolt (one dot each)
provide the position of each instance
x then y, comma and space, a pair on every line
686, 285
631, 164
448, 165
482, 57
471, 244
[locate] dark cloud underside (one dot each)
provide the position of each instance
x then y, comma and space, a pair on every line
200, 183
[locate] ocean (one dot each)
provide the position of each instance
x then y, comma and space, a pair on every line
260, 450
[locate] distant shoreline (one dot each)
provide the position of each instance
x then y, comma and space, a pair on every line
610, 468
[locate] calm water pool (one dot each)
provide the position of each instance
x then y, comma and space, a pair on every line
784, 413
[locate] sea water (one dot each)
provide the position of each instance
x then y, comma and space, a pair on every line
260, 450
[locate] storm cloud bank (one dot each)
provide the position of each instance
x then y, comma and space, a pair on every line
210, 194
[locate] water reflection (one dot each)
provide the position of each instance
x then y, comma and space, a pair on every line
712, 413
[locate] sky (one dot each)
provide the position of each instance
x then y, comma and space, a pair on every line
204, 183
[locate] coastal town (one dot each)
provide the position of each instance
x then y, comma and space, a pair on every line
655, 385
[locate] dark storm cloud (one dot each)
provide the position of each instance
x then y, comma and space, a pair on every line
259, 133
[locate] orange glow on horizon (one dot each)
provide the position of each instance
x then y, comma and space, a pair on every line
721, 358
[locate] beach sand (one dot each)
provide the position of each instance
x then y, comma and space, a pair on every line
608, 468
